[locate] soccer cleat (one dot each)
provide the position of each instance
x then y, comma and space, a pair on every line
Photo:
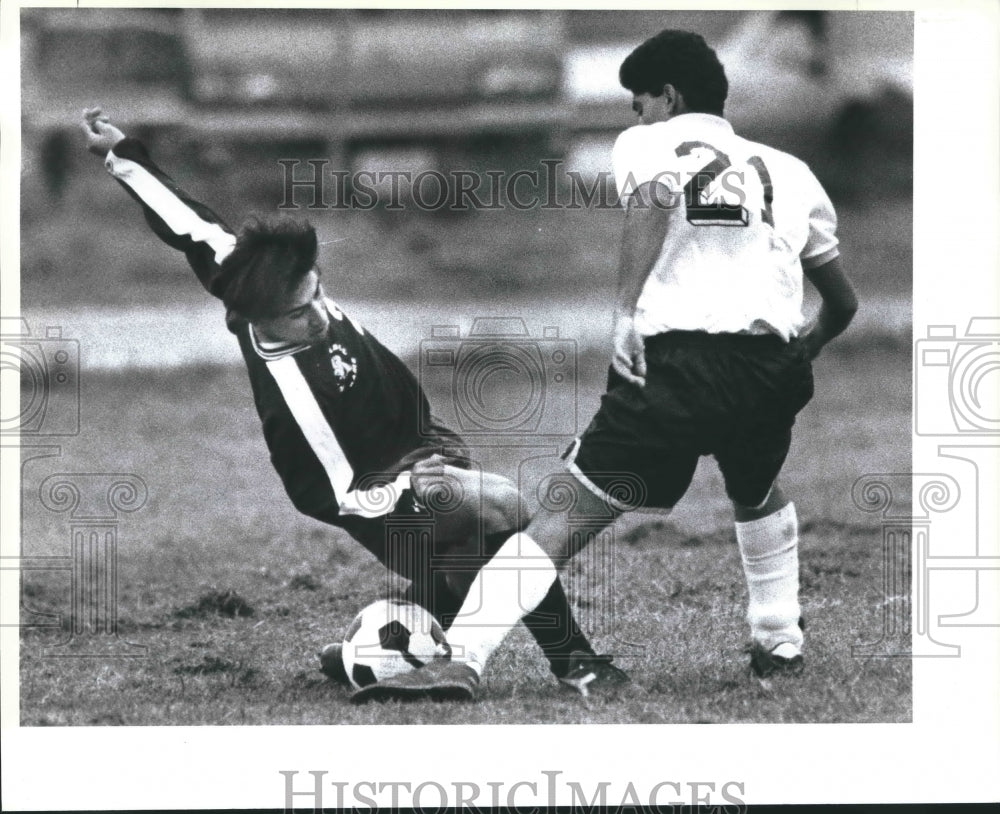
435, 681
589, 673
784, 658
331, 663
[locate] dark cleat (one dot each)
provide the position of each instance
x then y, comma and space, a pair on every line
785, 659
435, 681
766, 663
331, 664
589, 673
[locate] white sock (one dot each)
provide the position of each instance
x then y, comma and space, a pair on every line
513, 583
769, 548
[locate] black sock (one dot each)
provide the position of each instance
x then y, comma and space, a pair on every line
555, 629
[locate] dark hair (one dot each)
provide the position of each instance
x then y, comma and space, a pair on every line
269, 261
682, 59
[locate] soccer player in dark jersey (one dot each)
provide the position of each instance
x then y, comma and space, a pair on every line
341, 413
712, 354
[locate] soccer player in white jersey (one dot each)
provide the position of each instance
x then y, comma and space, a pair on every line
712, 354
341, 413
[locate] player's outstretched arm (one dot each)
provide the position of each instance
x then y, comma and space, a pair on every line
840, 303
176, 218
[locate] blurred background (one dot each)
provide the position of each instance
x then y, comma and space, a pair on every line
221, 96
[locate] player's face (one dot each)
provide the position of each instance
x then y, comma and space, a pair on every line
649, 108
302, 316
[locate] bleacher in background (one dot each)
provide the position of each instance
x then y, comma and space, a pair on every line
444, 88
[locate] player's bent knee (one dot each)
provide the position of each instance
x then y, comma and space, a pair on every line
502, 506
470, 500
774, 501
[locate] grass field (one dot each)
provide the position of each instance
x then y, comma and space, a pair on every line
232, 593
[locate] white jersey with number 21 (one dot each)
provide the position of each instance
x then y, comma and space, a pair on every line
754, 217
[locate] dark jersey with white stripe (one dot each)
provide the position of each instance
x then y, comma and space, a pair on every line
340, 418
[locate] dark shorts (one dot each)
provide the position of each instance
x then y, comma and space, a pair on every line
407, 543
404, 539
732, 396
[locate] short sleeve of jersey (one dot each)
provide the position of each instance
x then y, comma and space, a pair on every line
821, 245
637, 159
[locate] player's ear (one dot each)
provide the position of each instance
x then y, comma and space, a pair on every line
673, 99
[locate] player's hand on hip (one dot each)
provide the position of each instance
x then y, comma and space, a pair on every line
102, 136
813, 344
812, 340
629, 359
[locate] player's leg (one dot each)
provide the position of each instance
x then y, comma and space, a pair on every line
620, 463
552, 623
751, 458
574, 662
391, 546
521, 582
768, 539
477, 512
460, 511
463, 508
513, 584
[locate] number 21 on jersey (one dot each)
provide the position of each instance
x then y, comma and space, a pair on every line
700, 213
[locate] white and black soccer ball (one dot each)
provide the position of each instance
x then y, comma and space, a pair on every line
390, 637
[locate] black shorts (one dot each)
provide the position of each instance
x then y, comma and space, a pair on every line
732, 396
403, 540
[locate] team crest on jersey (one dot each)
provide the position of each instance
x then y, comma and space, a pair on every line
345, 367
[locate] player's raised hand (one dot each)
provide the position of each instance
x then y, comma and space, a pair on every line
102, 136
629, 358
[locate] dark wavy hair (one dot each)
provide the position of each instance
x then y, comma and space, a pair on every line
269, 260
682, 59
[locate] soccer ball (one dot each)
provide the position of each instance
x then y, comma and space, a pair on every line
390, 637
